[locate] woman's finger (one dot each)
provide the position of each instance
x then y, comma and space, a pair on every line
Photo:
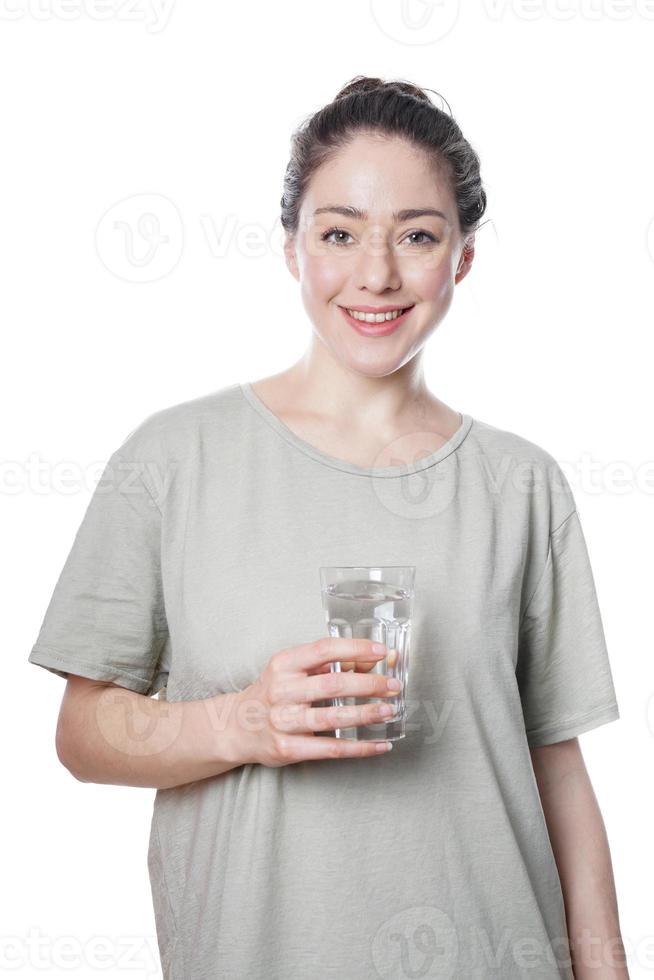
366, 665
361, 665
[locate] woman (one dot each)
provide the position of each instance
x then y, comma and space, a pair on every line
277, 850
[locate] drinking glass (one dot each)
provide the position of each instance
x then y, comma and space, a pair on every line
374, 603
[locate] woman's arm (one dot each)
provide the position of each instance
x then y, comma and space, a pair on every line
583, 859
109, 734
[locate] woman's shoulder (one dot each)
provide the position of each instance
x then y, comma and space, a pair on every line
508, 459
491, 440
169, 430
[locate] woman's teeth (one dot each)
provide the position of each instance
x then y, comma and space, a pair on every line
376, 317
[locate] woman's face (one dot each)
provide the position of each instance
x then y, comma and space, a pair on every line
354, 250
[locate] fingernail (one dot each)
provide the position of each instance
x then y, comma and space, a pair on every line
393, 684
384, 746
379, 647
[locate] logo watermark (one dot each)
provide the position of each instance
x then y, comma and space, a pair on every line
154, 14
422, 22
42, 951
141, 238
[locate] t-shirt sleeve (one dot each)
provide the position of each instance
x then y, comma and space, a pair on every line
563, 669
106, 619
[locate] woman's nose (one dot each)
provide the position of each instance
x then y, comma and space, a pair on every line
377, 266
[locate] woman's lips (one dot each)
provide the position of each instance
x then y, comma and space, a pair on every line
375, 329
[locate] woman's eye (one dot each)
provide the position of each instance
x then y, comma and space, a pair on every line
335, 231
430, 238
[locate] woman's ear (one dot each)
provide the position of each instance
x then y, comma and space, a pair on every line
291, 257
465, 261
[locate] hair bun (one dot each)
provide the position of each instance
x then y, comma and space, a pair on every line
364, 83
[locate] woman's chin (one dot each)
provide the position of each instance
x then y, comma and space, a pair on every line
373, 366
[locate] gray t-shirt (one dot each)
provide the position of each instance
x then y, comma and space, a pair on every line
198, 558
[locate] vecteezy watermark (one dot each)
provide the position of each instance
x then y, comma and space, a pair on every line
420, 490
67, 477
39, 951
141, 238
415, 21
423, 941
511, 950
252, 715
566, 10
147, 726
255, 240
417, 489
252, 239
155, 14
416, 942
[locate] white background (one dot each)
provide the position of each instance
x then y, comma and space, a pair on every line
549, 336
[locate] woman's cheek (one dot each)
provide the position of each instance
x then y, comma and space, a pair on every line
430, 284
323, 279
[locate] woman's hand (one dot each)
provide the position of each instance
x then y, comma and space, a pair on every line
276, 717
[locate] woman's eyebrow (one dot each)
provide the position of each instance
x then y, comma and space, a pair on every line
408, 214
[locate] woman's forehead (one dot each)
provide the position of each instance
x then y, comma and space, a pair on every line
373, 178
373, 194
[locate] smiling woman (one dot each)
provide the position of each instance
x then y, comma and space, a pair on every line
377, 264
382, 197
276, 848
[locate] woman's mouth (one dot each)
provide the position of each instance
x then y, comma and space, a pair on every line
375, 324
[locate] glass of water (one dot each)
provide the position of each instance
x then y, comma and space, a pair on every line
373, 603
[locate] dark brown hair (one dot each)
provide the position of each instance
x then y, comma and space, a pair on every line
392, 108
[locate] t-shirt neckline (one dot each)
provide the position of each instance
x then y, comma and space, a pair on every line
308, 449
